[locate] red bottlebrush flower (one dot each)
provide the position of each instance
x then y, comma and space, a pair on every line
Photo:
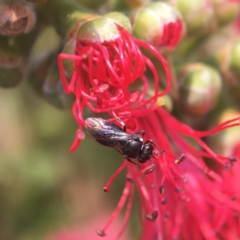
182, 197
107, 63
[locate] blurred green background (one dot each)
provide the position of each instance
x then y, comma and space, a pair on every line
44, 188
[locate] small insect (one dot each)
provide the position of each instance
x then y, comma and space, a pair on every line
131, 146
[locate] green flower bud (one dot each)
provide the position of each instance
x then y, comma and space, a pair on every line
234, 64
158, 24
230, 68
196, 14
45, 80
228, 60
200, 86
38, 74
41, 57
225, 11
102, 29
53, 90
120, 19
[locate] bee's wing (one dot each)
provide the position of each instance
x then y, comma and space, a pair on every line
111, 135
104, 130
109, 138
116, 140
120, 141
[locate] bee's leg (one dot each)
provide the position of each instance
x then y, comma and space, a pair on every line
131, 161
150, 141
120, 121
141, 132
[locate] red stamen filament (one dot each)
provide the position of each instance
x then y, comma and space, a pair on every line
115, 174
127, 214
120, 205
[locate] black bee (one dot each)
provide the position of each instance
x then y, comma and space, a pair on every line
131, 146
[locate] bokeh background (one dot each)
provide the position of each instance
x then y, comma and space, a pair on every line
46, 192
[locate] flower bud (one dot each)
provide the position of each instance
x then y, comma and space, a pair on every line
158, 24
196, 14
38, 74
103, 29
225, 11
234, 64
42, 47
200, 86
228, 60
233, 74
120, 19
16, 18
53, 90
99, 29
41, 57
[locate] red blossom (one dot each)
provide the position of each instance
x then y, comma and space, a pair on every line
104, 72
181, 197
